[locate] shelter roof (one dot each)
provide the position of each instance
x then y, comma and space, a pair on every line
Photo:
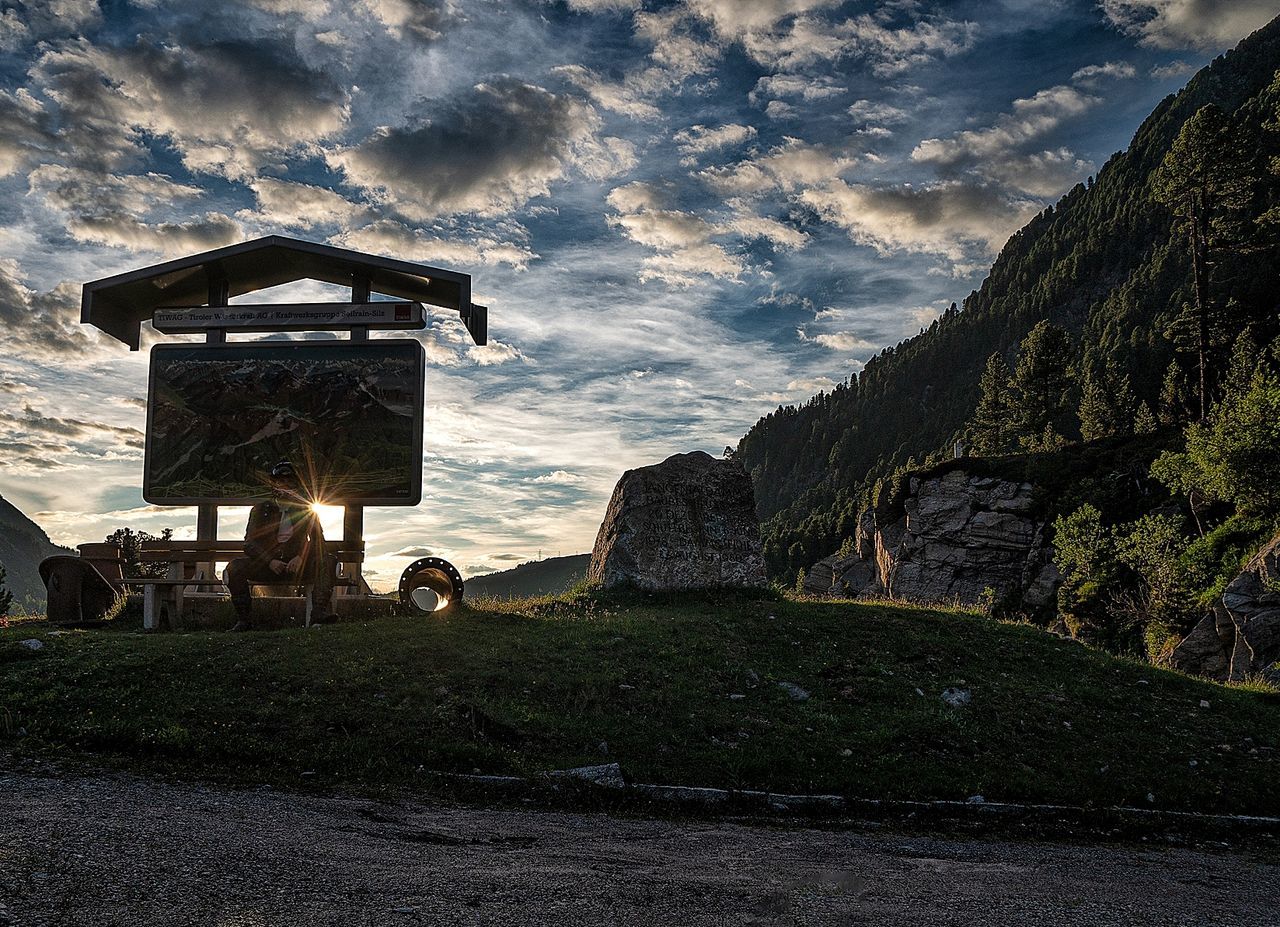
118, 305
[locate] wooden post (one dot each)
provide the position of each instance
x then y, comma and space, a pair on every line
353, 515
207, 513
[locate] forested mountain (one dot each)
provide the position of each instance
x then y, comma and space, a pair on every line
1109, 263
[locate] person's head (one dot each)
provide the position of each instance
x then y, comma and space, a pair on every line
283, 479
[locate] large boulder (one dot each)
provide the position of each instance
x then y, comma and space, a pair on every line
686, 523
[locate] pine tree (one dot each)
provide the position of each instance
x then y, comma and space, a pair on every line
1144, 423
1040, 385
991, 430
1096, 418
1205, 180
1174, 395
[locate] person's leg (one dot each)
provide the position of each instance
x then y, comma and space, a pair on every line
321, 579
241, 573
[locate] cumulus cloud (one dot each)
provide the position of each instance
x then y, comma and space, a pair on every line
838, 341
27, 131
876, 113
1115, 69
785, 167
1041, 173
560, 478
779, 40
212, 230
112, 210
228, 106
1032, 117
682, 239
40, 326
489, 151
1204, 24
687, 243
300, 205
1000, 151
809, 89
698, 139
951, 219
419, 20
676, 56
388, 236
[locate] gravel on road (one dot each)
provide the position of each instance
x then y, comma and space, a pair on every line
113, 849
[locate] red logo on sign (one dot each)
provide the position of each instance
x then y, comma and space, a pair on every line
402, 313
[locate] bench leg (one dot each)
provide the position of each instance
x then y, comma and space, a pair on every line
311, 598
150, 608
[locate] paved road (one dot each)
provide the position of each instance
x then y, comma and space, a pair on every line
105, 850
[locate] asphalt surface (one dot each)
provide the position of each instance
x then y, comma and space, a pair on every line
112, 849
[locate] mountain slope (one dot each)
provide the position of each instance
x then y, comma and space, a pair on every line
1103, 262
23, 544
551, 576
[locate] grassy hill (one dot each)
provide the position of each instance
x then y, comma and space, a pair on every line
23, 544
688, 691
551, 576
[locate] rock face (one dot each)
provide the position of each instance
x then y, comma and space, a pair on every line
952, 536
686, 523
1241, 636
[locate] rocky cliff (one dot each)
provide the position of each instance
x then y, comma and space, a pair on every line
1240, 637
953, 536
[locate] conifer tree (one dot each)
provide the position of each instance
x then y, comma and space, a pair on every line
1096, 419
1040, 385
1174, 395
991, 430
1144, 423
1205, 180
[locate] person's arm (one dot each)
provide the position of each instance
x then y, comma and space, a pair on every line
259, 541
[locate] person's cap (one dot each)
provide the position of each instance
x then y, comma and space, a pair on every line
282, 470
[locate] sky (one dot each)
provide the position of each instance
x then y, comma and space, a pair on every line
681, 215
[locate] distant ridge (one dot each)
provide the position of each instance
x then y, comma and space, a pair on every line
23, 544
551, 576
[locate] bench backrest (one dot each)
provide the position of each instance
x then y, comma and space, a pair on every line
222, 551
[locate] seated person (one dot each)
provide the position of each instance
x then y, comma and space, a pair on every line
283, 543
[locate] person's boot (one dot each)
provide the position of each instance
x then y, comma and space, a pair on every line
243, 606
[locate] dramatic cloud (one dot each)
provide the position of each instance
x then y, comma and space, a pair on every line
110, 210
227, 106
489, 152
1207, 24
953, 219
27, 133
40, 326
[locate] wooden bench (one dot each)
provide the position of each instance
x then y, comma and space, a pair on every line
193, 563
